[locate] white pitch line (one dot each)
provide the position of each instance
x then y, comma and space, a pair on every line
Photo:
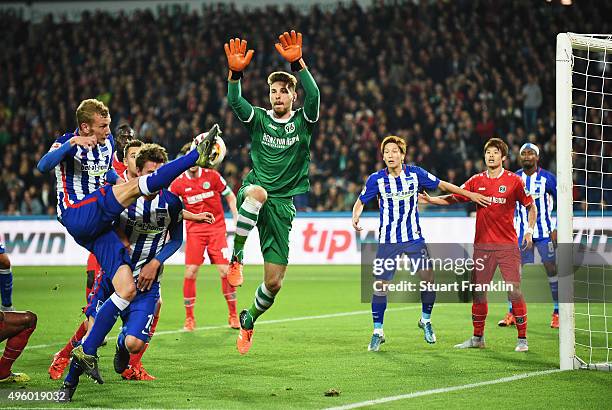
259, 323
443, 390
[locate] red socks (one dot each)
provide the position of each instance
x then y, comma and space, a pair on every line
189, 295
229, 292
78, 335
479, 316
519, 308
14, 347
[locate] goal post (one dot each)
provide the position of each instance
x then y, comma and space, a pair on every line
584, 184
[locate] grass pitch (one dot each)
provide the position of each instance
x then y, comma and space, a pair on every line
312, 340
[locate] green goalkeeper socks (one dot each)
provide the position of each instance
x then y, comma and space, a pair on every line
247, 219
263, 301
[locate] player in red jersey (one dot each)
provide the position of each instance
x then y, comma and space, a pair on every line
495, 239
201, 191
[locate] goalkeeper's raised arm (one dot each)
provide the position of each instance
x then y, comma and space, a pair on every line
238, 58
290, 48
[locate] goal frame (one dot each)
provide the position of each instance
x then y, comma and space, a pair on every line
566, 42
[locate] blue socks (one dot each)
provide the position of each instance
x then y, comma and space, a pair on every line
6, 287
167, 173
428, 298
105, 320
379, 305
553, 281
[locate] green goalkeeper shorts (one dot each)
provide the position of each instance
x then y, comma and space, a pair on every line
274, 225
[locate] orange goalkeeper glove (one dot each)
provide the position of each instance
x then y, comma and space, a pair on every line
290, 47
237, 57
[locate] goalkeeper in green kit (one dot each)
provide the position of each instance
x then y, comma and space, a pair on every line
280, 151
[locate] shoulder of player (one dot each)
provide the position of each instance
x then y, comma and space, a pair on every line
171, 198
65, 137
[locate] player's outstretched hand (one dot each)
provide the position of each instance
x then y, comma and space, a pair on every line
527, 242
424, 198
480, 199
238, 58
82, 141
290, 46
356, 225
147, 275
206, 217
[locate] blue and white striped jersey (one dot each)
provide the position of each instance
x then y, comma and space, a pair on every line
397, 200
542, 185
82, 171
146, 225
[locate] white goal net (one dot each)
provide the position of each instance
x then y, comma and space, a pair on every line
584, 172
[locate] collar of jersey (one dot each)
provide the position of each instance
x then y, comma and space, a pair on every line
199, 174
278, 120
497, 177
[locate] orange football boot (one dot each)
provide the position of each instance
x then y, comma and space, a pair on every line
508, 320
234, 275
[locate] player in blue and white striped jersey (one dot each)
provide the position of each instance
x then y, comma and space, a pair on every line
397, 188
542, 185
82, 159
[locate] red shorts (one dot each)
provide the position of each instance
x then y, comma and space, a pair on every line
486, 262
215, 245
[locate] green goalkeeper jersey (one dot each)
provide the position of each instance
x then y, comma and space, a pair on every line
280, 149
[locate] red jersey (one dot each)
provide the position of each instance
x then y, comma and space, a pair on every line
119, 166
202, 194
495, 223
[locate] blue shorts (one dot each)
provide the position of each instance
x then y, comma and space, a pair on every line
546, 250
415, 250
137, 317
2, 249
90, 223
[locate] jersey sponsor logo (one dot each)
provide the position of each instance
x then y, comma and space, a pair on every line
282, 143
502, 189
194, 199
206, 185
289, 127
497, 200
145, 227
398, 196
94, 169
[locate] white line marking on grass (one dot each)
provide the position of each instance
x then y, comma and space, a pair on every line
443, 390
259, 323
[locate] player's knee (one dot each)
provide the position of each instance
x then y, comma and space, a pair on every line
134, 345
30, 319
274, 285
258, 193
5, 262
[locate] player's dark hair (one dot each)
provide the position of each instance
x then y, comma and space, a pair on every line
497, 143
284, 77
87, 109
131, 144
151, 152
123, 134
401, 143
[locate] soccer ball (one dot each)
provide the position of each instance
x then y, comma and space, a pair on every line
218, 151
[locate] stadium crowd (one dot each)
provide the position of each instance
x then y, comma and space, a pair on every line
445, 75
